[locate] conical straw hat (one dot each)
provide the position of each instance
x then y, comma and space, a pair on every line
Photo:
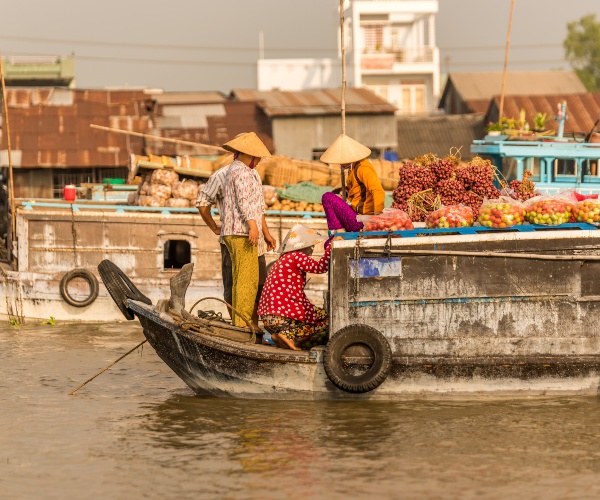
249, 144
300, 237
345, 150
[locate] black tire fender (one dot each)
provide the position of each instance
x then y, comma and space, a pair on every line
366, 338
120, 287
87, 276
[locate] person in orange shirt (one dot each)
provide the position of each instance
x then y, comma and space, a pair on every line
365, 196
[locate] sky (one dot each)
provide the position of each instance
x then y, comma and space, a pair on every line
213, 45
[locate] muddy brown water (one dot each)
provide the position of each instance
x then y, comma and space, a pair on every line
138, 432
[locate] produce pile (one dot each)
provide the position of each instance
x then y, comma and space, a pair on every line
162, 188
390, 219
275, 202
446, 178
587, 211
450, 216
549, 210
522, 190
501, 213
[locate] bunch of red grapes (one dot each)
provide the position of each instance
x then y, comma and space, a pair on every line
413, 179
451, 191
467, 185
442, 169
517, 187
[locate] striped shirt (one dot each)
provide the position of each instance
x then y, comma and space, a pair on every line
212, 193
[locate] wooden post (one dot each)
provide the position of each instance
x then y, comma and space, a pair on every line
343, 110
501, 111
11, 184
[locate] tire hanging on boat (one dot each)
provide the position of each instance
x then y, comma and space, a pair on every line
367, 340
87, 276
120, 287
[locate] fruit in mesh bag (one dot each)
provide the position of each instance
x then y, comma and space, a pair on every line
390, 220
587, 211
451, 216
501, 215
549, 211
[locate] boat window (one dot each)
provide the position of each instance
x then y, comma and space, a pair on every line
177, 253
563, 166
590, 167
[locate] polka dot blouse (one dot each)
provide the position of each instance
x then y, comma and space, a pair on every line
283, 292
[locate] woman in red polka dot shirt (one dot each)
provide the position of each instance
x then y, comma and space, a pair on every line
293, 321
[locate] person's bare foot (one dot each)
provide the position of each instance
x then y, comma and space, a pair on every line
289, 344
278, 342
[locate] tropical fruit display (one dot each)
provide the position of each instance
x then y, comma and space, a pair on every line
390, 219
427, 182
587, 211
450, 216
548, 210
501, 213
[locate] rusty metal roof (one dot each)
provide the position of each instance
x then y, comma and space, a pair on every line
51, 127
477, 89
315, 102
190, 97
582, 109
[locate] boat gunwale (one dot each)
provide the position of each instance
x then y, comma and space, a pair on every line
249, 351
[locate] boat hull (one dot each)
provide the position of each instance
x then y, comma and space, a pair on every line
210, 365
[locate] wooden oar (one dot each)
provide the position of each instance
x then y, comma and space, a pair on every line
104, 369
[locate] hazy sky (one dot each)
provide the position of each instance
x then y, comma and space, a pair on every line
213, 44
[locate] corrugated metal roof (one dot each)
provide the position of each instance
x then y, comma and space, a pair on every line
190, 97
315, 101
192, 115
582, 109
437, 134
51, 127
473, 86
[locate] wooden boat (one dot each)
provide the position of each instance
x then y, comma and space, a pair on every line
451, 312
58, 246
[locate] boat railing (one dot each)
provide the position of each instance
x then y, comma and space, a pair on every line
419, 232
77, 207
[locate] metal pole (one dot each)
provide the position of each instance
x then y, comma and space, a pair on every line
11, 184
156, 137
342, 41
512, 7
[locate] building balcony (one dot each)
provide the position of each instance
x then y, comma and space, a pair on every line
399, 59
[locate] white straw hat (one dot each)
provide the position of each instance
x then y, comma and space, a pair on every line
345, 150
249, 144
300, 237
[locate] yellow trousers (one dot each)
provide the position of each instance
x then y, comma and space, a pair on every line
244, 262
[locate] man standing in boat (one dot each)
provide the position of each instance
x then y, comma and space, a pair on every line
212, 193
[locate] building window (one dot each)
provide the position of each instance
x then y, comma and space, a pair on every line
373, 38
379, 90
414, 99
177, 253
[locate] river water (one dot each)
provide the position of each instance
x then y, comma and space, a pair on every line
138, 432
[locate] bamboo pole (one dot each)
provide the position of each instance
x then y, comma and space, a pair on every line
104, 369
343, 108
157, 138
503, 255
512, 8
11, 183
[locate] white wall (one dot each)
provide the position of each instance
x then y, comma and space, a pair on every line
299, 74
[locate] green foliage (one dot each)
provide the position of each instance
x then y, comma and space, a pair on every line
582, 49
539, 122
13, 321
50, 322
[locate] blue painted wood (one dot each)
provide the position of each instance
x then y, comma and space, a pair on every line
413, 233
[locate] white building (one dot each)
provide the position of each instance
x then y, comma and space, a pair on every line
390, 49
